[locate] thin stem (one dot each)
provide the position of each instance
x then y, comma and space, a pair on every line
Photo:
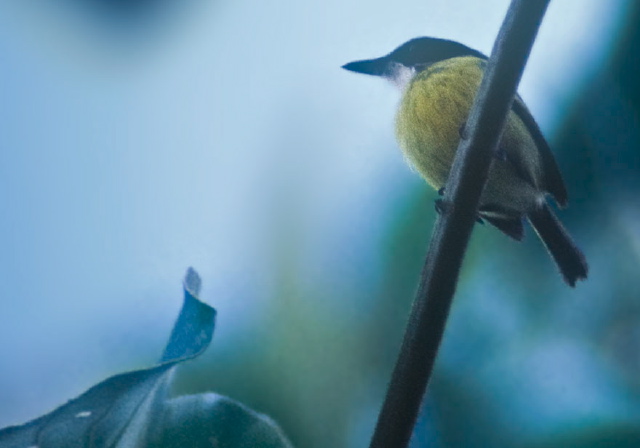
453, 229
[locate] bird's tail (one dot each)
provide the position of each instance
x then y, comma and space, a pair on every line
570, 259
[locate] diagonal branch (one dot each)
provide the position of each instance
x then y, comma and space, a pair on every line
453, 229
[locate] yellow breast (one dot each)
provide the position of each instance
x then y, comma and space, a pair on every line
433, 110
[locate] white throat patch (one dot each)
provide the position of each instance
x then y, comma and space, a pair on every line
400, 75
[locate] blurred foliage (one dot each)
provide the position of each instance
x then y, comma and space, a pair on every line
605, 437
127, 23
124, 9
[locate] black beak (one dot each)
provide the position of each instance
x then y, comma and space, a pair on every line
375, 67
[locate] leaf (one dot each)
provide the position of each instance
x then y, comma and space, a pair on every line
131, 410
213, 421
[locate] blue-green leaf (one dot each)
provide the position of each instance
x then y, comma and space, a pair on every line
131, 410
211, 420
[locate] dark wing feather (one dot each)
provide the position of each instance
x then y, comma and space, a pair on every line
511, 227
506, 220
553, 182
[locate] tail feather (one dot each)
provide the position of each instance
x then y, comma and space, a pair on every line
570, 260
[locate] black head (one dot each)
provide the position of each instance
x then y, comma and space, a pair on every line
416, 54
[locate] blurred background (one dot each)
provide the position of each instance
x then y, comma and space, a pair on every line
138, 138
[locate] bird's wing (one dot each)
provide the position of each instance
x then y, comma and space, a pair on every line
511, 227
553, 182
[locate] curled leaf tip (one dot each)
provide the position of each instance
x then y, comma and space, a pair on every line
192, 282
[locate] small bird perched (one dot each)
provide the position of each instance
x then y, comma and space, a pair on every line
439, 79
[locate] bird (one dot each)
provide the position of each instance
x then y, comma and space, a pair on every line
438, 79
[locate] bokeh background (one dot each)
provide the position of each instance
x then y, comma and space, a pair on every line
138, 138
